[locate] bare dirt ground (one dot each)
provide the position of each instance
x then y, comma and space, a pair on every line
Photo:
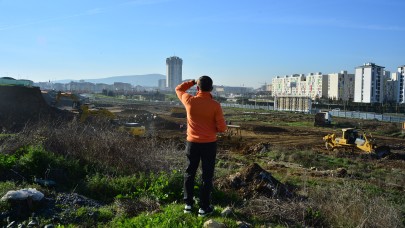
270, 130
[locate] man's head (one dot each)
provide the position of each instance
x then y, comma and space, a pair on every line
205, 83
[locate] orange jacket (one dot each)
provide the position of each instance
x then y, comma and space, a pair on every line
204, 114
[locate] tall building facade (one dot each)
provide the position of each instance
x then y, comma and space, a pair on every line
317, 85
162, 83
391, 90
401, 85
369, 83
174, 67
314, 85
341, 86
289, 85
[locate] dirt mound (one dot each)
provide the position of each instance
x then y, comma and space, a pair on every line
268, 129
254, 181
256, 148
19, 105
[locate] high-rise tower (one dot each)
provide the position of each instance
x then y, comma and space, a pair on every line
369, 83
174, 66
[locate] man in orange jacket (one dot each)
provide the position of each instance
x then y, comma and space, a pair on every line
204, 119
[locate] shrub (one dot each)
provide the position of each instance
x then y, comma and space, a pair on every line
7, 162
36, 162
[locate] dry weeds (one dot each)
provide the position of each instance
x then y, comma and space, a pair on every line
348, 205
101, 144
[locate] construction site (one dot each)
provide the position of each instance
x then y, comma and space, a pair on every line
287, 144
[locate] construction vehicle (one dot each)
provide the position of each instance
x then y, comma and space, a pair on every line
323, 119
232, 137
75, 99
135, 129
86, 110
353, 140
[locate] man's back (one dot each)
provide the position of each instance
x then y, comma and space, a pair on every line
204, 115
204, 119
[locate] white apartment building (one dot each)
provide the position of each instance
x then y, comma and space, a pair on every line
401, 84
316, 85
341, 86
391, 90
269, 88
369, 83
174, 76
289, 85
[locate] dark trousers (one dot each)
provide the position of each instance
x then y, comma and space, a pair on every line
206, 152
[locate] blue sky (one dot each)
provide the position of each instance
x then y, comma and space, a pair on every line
237, 43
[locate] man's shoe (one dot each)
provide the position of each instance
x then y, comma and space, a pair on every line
206, 211
188, 209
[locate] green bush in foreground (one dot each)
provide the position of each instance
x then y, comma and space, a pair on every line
7, 162
164, 187
34, 161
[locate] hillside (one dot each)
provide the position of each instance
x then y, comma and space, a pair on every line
20, 105
148, 80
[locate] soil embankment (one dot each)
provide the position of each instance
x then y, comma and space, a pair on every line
19, 105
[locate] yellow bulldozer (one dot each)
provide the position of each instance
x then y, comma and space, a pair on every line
352, 140
85, 111
135, 129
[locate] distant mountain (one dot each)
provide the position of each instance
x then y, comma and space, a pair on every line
147, 80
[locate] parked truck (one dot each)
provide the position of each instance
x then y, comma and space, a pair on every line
323, 119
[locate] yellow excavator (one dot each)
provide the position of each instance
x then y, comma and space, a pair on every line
76, 102
87, 112
135, 129
353, 140
84, 110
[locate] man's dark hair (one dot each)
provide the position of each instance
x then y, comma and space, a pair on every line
205, 83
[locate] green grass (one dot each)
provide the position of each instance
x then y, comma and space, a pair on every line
4, 188
172, 215
2, 135
300, 124
164, 187
309, 158
156, 195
